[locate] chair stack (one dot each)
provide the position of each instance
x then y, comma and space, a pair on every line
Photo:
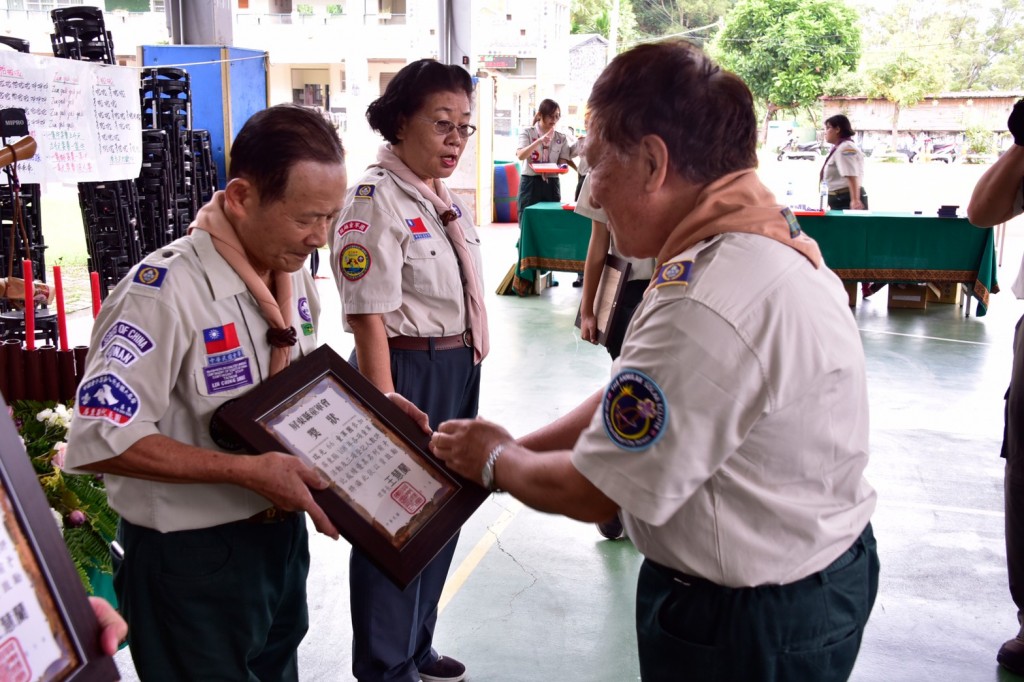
110, 210
81, 34
167, 106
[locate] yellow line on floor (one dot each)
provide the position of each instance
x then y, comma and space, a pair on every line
476, 555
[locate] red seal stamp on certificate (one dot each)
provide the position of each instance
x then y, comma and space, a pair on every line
408, 498
13, 664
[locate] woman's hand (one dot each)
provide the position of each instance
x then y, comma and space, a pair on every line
588, 327
464, 444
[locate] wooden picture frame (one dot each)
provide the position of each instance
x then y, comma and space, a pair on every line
51, 624
608, 298
389, 495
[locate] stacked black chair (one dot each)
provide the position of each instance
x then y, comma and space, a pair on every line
81, 34
110, 210
167, 106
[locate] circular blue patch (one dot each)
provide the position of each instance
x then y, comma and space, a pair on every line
634, 410
304, 309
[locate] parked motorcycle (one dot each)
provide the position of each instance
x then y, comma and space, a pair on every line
946, 152
808, 151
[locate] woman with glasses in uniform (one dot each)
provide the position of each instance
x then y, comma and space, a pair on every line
541, 143
406, 258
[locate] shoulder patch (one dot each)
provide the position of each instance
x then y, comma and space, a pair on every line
794, 224
135, 336
354, 262
634, 410
150, 276
674, 272
122, 354
353, 226
304, 309
108, 397
364, 192
849, 152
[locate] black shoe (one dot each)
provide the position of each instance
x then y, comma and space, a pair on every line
1011, 655
443, 670
611, 529
579, 281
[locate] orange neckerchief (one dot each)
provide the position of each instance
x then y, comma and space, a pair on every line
737, 202
281, 335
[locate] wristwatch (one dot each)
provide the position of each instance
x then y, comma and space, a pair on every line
487, 473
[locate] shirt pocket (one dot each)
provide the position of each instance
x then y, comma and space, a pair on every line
434, 270
228, 378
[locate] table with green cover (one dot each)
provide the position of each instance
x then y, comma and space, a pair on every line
550, 238
872, 246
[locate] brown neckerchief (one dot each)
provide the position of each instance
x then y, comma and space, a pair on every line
737, 202
276, 307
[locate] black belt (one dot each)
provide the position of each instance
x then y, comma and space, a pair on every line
841, 190
272, 515
463, 340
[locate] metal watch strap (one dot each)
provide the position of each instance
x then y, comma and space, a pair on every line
487, 473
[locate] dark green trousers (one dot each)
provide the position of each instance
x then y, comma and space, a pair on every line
807, 631
220, 603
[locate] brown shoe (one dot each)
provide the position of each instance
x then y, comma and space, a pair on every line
1011, 655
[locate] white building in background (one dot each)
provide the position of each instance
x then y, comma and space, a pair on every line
340, 54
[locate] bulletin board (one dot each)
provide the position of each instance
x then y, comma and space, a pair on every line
85, 117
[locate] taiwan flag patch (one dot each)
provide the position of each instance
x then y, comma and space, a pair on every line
417, 228
220, 339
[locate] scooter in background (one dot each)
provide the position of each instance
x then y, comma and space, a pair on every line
807, 151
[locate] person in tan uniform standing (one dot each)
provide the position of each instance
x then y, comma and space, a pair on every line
213, 581
732, 437
406, 259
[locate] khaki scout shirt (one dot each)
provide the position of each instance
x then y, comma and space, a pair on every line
734, 432
847, 161
561, 149
390, 256
179, 336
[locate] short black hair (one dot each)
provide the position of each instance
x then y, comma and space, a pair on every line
840, 123
409, 89
277, 138
672, 89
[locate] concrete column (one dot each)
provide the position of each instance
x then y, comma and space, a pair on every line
199, 22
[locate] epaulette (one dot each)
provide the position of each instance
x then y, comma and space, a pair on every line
673, 272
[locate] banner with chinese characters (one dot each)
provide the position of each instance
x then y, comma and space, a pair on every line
85, 118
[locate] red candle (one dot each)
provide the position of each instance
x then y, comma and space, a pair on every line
62, 322
30, 307
94, 279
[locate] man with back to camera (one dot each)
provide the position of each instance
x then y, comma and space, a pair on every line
999, 196
213, 581
733, 436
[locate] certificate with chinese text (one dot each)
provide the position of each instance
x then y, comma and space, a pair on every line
389, 495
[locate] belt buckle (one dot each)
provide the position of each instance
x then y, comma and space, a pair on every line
467, 339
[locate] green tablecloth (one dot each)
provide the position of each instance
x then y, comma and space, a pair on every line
551, 238
903, 247
858, 245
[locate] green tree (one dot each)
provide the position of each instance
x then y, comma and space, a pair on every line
904, 80
595, 16
788, 50
657, 18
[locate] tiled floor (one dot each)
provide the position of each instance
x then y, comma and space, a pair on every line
534, 598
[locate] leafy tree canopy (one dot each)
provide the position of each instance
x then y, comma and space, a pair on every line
595, 16
788, 50
672, 17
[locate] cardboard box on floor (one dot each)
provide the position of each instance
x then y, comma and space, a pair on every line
908, 296
944, 292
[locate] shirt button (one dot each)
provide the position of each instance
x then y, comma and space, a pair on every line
433, 253
167, 254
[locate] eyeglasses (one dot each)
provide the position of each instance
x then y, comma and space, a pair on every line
445, 127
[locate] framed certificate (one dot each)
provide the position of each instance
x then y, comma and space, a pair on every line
614, 276
389, 495
47, 628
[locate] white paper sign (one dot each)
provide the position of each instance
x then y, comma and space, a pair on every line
85, 118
